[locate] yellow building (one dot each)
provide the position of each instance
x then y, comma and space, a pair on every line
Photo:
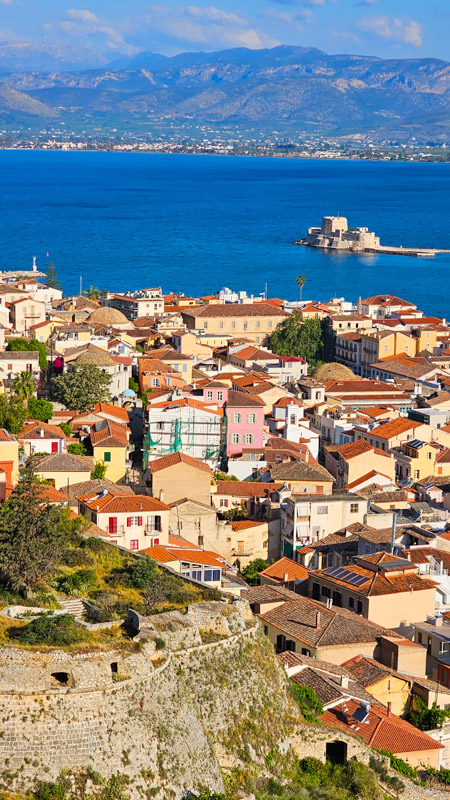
109, 442
417, 460
9, 458
254, 321
376, 345
64, 469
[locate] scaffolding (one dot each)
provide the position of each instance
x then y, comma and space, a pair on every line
182, 437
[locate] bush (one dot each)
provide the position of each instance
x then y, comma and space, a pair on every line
307, 700
65, 427
49, 791
76, 557
143, 573
80, 582
53, 630
77, 449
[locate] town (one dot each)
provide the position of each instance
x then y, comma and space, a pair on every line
290, 457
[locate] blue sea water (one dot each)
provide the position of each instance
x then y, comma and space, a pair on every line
198, 223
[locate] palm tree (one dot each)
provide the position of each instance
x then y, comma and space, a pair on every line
24, 386
300, 281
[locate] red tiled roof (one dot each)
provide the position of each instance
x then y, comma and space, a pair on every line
176, 458
166, 554
381, 730
121, 503
247, 488
114, 411
244, 524
395, 427
283, 566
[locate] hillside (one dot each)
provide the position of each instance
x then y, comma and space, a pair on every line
296, 89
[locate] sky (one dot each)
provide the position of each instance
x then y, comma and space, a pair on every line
109, 29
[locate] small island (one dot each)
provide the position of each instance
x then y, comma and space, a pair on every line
334, 234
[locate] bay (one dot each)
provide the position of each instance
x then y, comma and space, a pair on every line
197, 223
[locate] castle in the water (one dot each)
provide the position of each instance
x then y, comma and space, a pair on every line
335, 234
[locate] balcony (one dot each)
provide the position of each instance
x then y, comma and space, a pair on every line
117, 531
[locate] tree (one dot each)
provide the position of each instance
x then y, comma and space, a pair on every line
427, 719
24, 386
12, 414
41, 409
143, 573
93, 293
236, 512
33, 535
77, 449
81, 387
65, 427
99, 470
300, 281
154, 594
253, 568
52, 278
298, 337
20, 345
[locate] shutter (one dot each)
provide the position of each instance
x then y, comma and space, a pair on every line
129, 522
139, 520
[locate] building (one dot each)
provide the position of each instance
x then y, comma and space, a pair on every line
200, 565
353, 462
310, 629
383, 588
258, 497
133, 521
110, 446
416, 459
382, 730
381, 306
145, 303
308, 518
183, 425
254, 321
334, 234
12, 363
64, 469
9, 463
377, 345
245, 422
394, 433
26, 312
40, 437
177, 476
286, 573
364, 393
303, 477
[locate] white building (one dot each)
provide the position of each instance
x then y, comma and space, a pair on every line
133, 521
185, 425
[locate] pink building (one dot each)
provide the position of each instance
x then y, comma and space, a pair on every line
215, 392
245, 415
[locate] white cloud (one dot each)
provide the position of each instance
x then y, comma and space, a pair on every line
208, 27
406, 31
84, 24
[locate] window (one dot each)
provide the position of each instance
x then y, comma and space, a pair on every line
322, 509
133, 521
248, 438
224, 503
107, 457
153, 524
258, 323
207, 575
251, 419
316, 591
160, 426
134, 544
293, 419
154, 382
429, 456
337, 599
354, 508
233, 325
112, 525
241, 547
257, 339
326, 591
221, 326
209, 395
266, 630
184, 367
281, 643
237, 418
319, 489
305, 651
416, 473
351, 602
205, 325
219, 396
235, 438
359, 607
245, 326
269, 324
216, 574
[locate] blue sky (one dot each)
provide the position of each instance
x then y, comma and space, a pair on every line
386, 28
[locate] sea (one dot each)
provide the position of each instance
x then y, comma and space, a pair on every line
196, 224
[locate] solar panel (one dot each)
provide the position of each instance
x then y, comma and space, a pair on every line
416, 443
346, 575
360, 714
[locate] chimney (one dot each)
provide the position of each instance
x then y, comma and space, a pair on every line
285, 577
389, 705
41, 432
161, 495
317, 620
344, 681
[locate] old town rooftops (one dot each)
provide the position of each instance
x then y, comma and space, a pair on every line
234, 310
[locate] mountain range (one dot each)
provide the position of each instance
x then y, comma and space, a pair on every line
294, 89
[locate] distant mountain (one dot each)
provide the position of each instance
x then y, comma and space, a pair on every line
23, 56
296, 89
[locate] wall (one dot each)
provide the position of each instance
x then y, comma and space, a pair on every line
182, 480
116, 468
63, 479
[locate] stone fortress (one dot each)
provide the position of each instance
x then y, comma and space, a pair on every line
334, 234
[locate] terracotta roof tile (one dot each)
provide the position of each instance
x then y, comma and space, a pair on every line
177, 458
286, 566
121, 503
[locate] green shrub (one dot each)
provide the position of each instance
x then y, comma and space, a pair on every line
49, 791
76, 557
307, 700
143, 572
399, 765
53, 630
76, 449
80, 582
65, 427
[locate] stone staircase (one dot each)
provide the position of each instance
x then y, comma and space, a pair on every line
73, 606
